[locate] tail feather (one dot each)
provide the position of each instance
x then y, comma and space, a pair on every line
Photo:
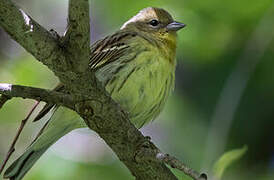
62, 122
22, 165
49, 106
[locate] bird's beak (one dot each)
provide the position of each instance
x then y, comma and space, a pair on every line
175, 26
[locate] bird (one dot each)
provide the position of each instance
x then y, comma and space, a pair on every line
136, 65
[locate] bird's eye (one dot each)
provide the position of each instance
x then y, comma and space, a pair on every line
154, 22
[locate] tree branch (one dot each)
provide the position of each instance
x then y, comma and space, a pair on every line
78, 33
38, 94
28, 33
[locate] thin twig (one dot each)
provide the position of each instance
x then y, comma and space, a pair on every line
177, 164
3, 100
38, 94
21, 127
147, 154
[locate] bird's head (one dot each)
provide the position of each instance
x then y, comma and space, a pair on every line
154, 22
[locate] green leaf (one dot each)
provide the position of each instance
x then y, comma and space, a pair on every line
226, 160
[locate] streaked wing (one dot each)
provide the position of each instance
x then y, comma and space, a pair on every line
109, 49
103, 52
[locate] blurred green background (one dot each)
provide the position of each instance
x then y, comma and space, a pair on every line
223, 99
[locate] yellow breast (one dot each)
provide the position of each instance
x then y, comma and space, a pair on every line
143, 85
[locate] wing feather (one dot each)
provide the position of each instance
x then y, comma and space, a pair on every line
103, 52
109, 49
